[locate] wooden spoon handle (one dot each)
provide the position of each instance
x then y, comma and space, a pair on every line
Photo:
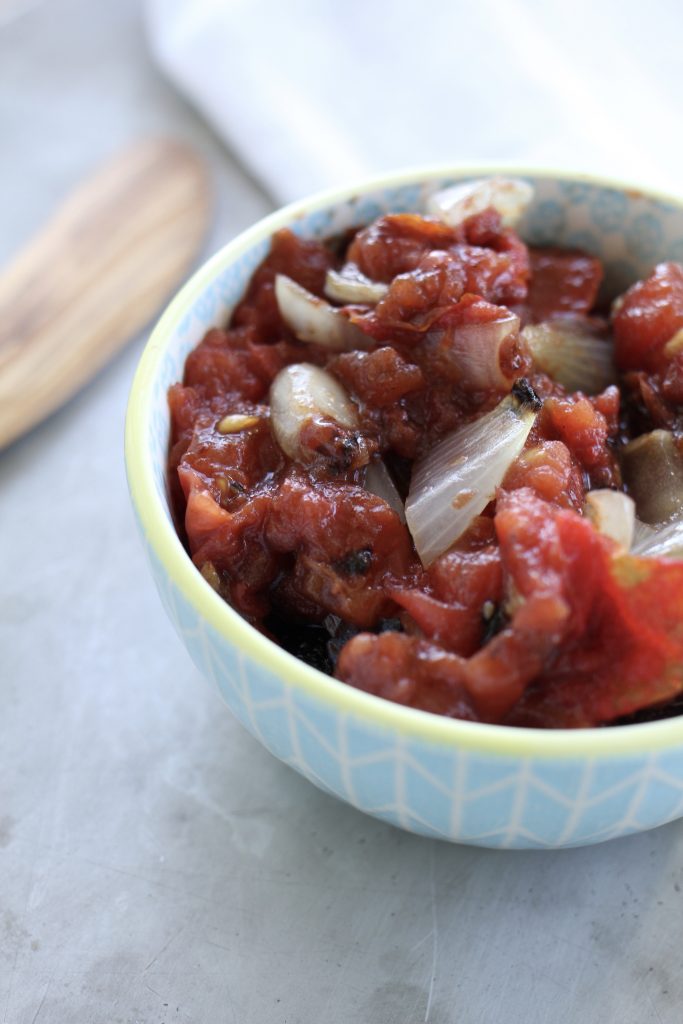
95, 275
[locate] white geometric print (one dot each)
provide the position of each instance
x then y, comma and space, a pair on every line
454, 794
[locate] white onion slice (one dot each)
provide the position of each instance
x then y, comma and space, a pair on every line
456, 480
652, 467
378, 481
351, 286
571, 354
613, 514
300, 393
509, 196
314, 320
475, 352
662, 542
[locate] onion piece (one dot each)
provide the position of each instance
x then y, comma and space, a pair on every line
378, 481
235, 423
663, 542
643, 535
613, 514
302, 392
509, 196
475, 351
573, 355
456, 480
652, 468
675, 344
314, 320
352, 286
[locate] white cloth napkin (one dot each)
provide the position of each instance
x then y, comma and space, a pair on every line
311, 93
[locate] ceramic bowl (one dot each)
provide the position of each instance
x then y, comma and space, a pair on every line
480, 784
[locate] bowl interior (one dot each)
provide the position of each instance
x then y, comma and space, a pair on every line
628, 229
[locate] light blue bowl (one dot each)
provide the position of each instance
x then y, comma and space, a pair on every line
480, 784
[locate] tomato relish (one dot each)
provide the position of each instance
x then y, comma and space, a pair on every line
318, 436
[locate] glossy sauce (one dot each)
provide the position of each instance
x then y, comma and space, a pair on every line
532, 617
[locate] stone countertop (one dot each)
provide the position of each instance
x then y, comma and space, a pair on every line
156, 864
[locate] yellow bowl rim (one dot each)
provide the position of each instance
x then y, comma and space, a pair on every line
409, 723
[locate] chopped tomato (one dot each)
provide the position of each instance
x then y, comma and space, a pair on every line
349, 547
587, 432
647, 317
594, 635
380, 378
395, 244
630, 655
549, 469
562, 282
407, 670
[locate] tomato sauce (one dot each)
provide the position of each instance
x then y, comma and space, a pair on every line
532, 617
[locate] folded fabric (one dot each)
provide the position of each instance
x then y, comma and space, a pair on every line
310, 94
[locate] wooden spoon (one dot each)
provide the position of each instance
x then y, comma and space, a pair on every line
95, 275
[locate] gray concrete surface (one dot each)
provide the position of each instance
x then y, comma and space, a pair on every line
156, 864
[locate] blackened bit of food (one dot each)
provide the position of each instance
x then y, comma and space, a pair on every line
343, 448
332, 624
400, 470
343, 632
339, 451
317, 645
525, 394
350, 446
308, 642
353, 451
494, 619
334, 648
356, 563
389, 626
